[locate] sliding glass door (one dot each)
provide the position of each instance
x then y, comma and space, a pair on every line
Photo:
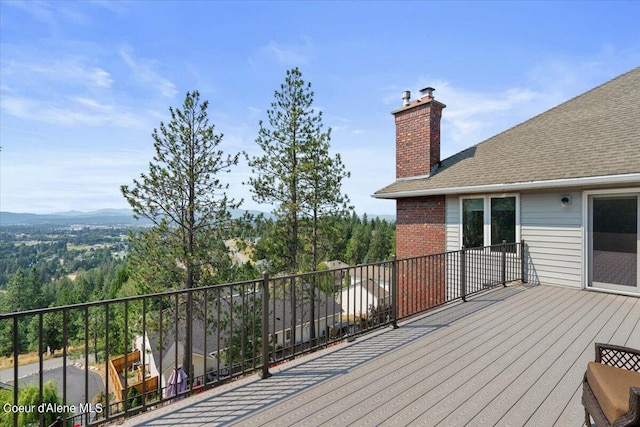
614, 242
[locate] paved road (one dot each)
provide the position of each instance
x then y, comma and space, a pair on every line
52, 370
6, 375
75, 383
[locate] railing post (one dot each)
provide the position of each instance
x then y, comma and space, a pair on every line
15, 367
125, 394
463, 274
59, 422
523, 263
107, 356
394, 292
40, 364
265, 326
503, 269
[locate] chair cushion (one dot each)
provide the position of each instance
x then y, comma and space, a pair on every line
611, 387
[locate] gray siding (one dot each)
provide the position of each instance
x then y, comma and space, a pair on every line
452, 208
553, 235
452, 217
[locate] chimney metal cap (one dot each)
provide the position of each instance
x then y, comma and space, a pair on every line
427, 91
406, 96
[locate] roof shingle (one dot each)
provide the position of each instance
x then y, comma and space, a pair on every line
592, 135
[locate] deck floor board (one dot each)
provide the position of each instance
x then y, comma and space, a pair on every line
510, 356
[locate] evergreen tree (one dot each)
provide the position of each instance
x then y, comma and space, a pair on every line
322, 181
183, 196
380, 244
358, 245
293, 125
297, 174
23, 293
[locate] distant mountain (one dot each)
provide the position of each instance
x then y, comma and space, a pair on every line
110, 217
100, 212
106, 217
100, 217
386, 217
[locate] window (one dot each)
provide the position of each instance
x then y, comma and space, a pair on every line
489, 220
472, 223
503, 220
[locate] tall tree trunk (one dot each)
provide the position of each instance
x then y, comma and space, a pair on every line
314, 258
187, 363
294, 204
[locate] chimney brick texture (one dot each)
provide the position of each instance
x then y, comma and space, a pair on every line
418, 137
420, 231
420, 221
420, 226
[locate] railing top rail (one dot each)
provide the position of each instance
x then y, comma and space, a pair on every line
498, 245
328, 271
170, 293
125, 299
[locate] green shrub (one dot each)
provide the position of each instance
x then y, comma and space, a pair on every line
29, 405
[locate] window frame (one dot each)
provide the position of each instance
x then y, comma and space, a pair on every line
487, 215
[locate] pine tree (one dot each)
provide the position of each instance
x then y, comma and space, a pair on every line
322, 180
358, 245
296, 173
183, 196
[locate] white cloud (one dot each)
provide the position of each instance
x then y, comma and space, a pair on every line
87, 178
72, 71
70, 111
473, 115
287, 56
290, 55
144, 71
101, 78
42, 12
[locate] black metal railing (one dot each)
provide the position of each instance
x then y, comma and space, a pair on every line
124, 356
428, 281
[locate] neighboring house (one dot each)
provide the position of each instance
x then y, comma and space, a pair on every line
339, 271
290, 325
167, 357
566, 181
336, 265
370, 288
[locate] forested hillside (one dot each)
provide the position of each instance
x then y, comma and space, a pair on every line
46, 266
87, 259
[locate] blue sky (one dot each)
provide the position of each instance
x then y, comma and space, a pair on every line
84, 83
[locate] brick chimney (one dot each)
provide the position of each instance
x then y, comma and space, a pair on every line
418, 135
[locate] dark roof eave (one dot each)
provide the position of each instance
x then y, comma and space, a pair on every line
625, 179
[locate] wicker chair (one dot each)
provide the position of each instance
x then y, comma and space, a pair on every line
603, 382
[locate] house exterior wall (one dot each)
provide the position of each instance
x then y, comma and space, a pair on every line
420, 231
359, 299
420, 226
149, 359
303, 331
452, 216
198, 361
553, 236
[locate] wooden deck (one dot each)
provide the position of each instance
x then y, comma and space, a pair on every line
512, 356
